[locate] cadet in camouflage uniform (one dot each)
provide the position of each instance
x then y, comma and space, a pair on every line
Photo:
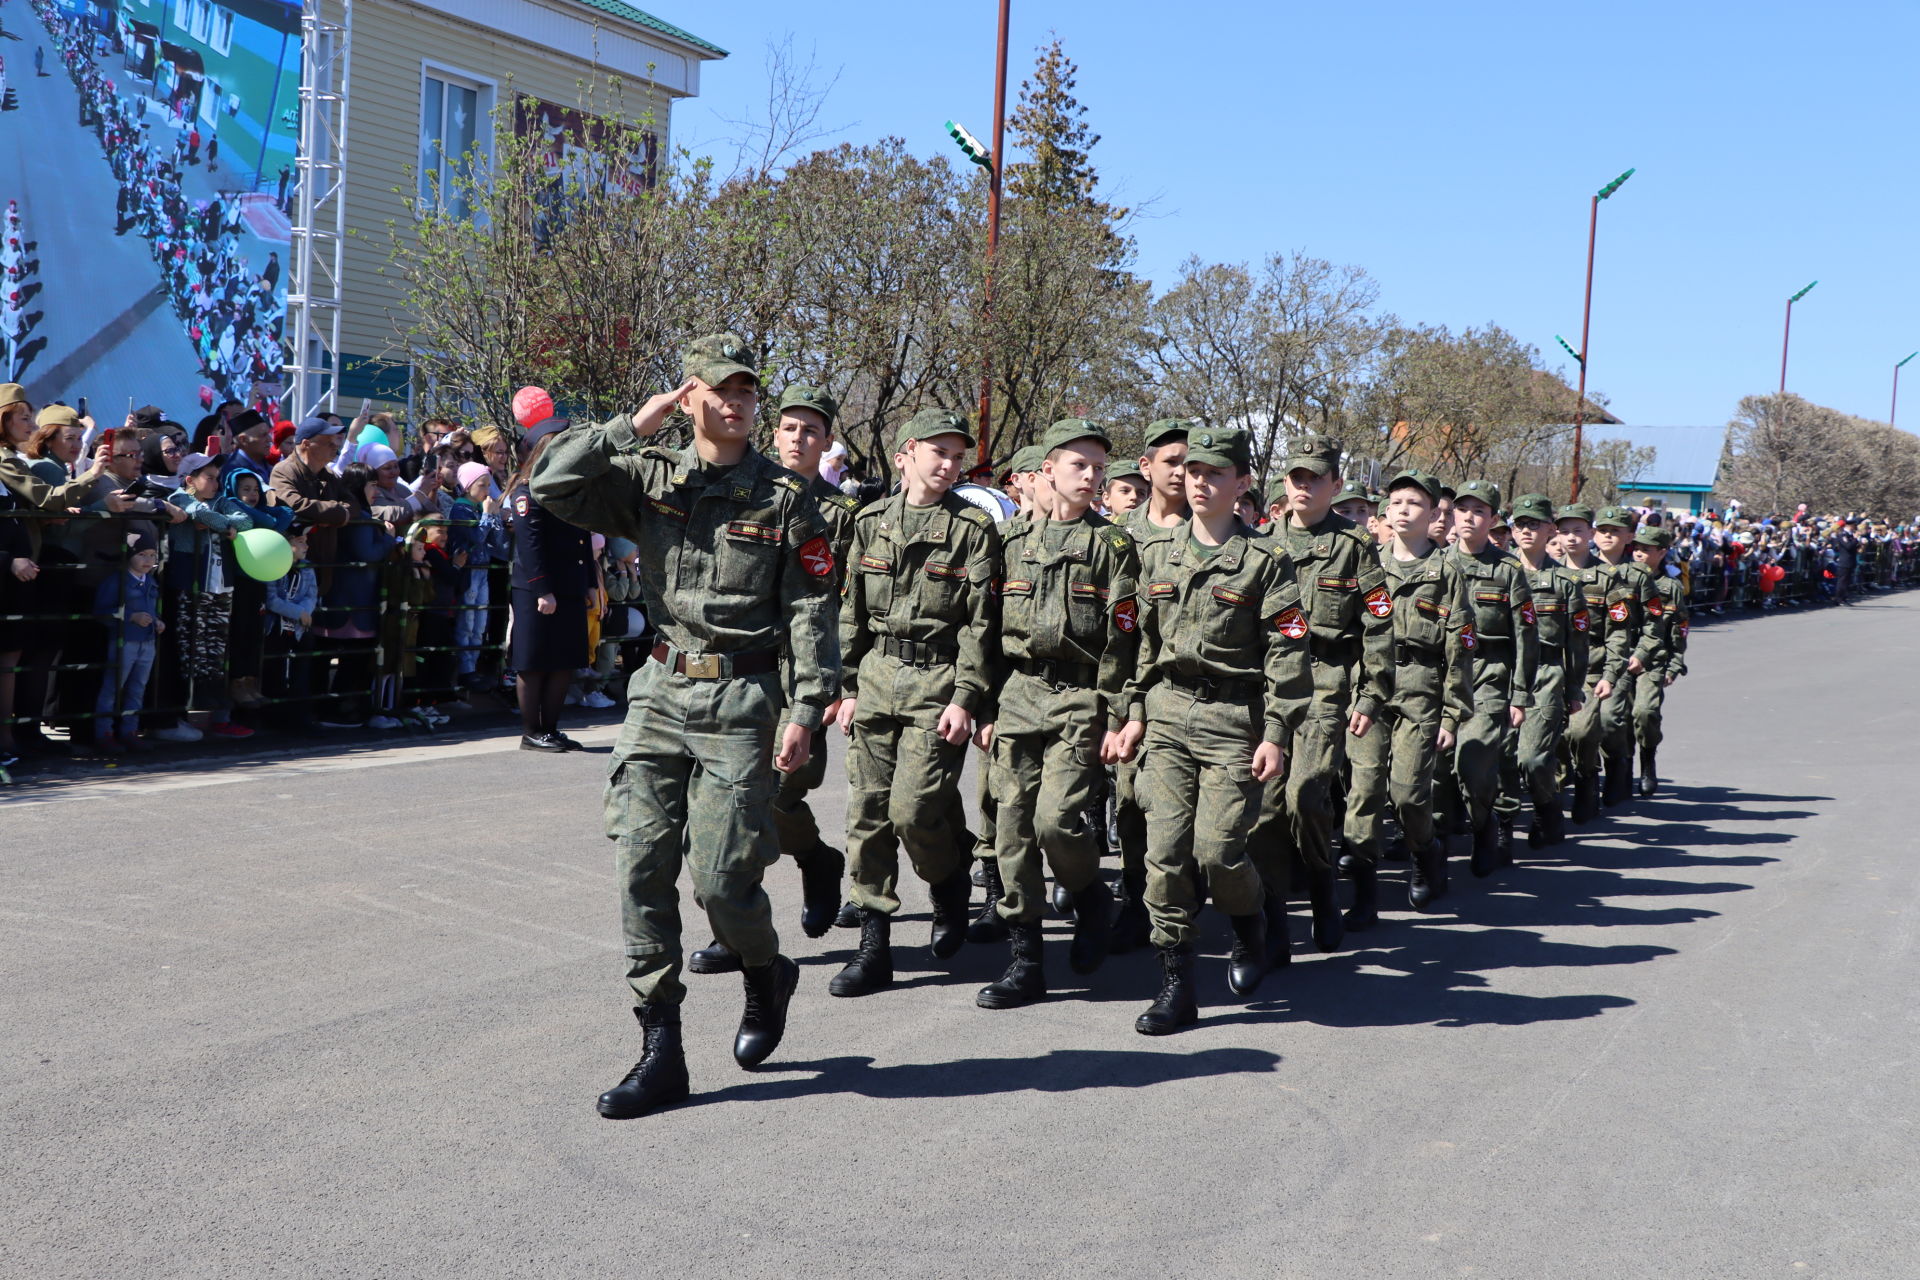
1222, 681
1343, 591
737, 570
1613, 630
1506, 662
1433, 642
1669, 663
1126, 490
1563, 624
1613, 537
1163, 517
801, 436
1069, 623
916, 623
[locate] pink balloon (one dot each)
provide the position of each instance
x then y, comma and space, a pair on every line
531, 405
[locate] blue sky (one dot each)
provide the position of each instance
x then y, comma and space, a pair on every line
1450, 150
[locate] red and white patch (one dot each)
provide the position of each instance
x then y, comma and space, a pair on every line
1655, 607
1581, 621
1617, 611
816, 557
1379, 603
520, 504
1527, 615
1126, 615
1468, 640
1292, 624
1685, 626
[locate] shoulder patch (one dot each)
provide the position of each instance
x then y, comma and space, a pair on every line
974, 514
1119, 541
788, 480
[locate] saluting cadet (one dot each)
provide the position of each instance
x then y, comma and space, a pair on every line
1613, 538
1164, 516
1343, 592
1563, 624
916, 622
1069, 622
737, 570
1669, 663
1506, 659
801, 437
1221, 683
1433, 642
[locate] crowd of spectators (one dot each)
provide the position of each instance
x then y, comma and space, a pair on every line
127, 616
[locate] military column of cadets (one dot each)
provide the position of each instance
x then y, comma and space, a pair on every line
1256, 695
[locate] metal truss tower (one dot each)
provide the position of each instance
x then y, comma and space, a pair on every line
317, 266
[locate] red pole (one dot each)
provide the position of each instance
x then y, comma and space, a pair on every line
1586, 327
993, 233
1786, 336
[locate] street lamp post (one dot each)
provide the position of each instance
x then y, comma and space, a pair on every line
990, 159
1893, 419
1786, 334
1586, 326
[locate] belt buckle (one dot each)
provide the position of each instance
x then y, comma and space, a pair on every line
1207, 687
704, 666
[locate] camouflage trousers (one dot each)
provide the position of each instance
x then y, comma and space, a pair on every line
1045, 771
1602, 726
1649, 700
1480, 755
1534, 764
793, 820
692, 780
1396, 763
903, 782
1197, 787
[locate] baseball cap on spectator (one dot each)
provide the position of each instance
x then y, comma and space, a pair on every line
313, 426
148, 417
469, 472
56, 415
193, 462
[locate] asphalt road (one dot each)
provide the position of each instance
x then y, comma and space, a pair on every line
348, 1016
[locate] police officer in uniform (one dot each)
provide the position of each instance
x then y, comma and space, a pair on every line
552, 573
737, 569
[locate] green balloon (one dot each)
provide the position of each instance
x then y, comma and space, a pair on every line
264, 554
371, 434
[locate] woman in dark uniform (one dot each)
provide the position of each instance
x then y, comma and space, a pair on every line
552, 573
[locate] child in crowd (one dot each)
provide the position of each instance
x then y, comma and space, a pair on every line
200, 588
243, 493
291, 601
127, 605
479, 531
437, 572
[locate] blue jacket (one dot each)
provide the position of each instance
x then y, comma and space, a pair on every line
119, 598
289, 597
192, 544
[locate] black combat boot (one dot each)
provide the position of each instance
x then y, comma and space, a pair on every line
1586, 797
715, 957
1549, 826
1279, 932
769, 988
1062, 901
1248, 961
820, 873
871, 968
1619, 788
1503, 839
1649, 777
1323, 892
1175, 1007
1396, 850
1346, 862
1365, 911
1025, 980
1092, 927
950, 900
1486, 847
849, 916
659, 1079
1132, 926
987, 926
1427, 877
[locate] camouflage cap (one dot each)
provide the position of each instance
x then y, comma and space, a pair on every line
1502, 520
1618, 517
1222, 447
1068, 430
1481, 490
1027, 458
1653, 536
928, 423
1533, 506
57, 415
1575, 511
1125, 469
1318, 454
1447, 490
717, 357
1415, 477
1351, 491
1163, 430
804, 397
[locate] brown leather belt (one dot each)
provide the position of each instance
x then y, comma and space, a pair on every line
715, 666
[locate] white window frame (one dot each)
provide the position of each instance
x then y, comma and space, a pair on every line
485, 97
220, 30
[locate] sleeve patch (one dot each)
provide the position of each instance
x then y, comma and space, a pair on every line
1291, 624
1655, 607
520, 504
1126, 614
1379, 603
1230, 596
1581, 620
946, 570
747, 529
1527, 616
1468, 640
1685, 626
816, 556
1617, 611
1338, 584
